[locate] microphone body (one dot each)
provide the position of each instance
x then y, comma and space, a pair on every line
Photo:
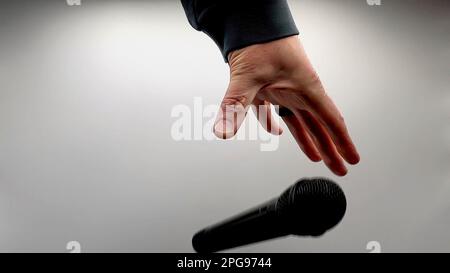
255, 225
308, 208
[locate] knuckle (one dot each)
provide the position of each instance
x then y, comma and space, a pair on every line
313, 82
315, 79
234, 100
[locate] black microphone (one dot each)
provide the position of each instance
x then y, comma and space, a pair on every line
308, 208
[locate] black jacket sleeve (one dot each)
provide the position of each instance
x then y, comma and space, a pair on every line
234, 24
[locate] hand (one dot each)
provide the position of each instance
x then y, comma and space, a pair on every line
280, 73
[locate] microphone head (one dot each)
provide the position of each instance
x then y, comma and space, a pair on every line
311, 206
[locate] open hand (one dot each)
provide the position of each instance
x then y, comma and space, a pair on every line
279, 73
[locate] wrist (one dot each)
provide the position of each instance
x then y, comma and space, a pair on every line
247, 23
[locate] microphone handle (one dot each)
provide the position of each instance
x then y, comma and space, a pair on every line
255, 225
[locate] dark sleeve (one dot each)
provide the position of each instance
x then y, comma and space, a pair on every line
234, 24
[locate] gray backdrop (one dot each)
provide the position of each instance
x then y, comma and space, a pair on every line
86, 151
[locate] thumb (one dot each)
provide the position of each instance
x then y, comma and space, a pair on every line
234, 107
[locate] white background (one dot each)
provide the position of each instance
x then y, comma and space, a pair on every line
86, 152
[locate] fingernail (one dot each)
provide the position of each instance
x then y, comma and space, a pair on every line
224, 128
228, 120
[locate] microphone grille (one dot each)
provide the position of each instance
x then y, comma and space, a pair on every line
312, 206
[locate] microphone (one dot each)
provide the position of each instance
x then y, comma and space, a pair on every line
310, 207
